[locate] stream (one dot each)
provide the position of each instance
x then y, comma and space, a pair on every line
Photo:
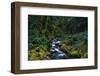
55, 50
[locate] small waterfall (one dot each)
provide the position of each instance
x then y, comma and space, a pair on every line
55, 51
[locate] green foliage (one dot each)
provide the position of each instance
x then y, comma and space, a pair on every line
72, 30
75, 44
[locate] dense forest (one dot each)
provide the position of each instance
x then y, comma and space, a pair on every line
57, 37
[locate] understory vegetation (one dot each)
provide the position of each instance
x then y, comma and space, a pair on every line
71, 30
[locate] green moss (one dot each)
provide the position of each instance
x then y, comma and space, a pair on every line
38, 53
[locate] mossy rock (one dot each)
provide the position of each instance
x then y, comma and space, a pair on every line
75, 54
33, 55
65, 47
37, 53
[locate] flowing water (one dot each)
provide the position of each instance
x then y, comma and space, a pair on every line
55, 50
